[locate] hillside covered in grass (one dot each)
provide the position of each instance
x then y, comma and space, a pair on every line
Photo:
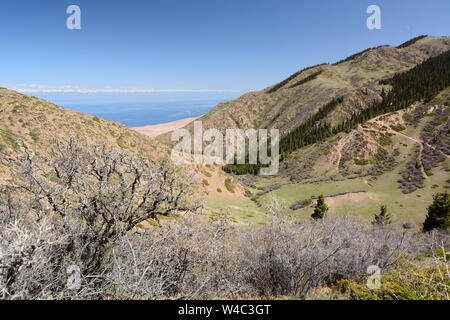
390, 147
33, 123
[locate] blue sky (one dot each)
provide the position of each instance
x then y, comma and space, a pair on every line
226, 45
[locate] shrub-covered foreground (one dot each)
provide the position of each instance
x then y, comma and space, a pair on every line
77, 227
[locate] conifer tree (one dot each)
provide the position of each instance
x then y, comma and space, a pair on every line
321, 209
438, 213
383, 217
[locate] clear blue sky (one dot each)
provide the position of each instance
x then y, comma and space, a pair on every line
238, 45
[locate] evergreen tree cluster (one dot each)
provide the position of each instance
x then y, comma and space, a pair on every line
311, 131
241, 169
423, 82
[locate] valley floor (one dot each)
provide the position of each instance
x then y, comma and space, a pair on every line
350, 188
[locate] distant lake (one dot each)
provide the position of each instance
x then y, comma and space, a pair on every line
137, 114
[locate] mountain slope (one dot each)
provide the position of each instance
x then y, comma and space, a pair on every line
290, 103
419, 134
35, 123
399, 158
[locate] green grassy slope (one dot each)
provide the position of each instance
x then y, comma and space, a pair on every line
352, 162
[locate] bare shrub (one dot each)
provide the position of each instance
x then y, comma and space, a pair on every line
86, 199
182, 260
290, 259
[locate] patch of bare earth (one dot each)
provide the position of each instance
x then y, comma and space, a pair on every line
158, 129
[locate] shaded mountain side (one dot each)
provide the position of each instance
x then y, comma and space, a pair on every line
293, 101
35, 123
414, 142
421, 83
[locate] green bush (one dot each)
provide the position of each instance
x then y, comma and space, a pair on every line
229, 185
408, 283
398, 127
385, 140
361, 162
207, 174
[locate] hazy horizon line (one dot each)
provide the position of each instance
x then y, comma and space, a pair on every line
87, 91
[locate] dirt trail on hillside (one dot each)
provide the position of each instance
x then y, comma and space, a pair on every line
336, 155
420, 142
408, 137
